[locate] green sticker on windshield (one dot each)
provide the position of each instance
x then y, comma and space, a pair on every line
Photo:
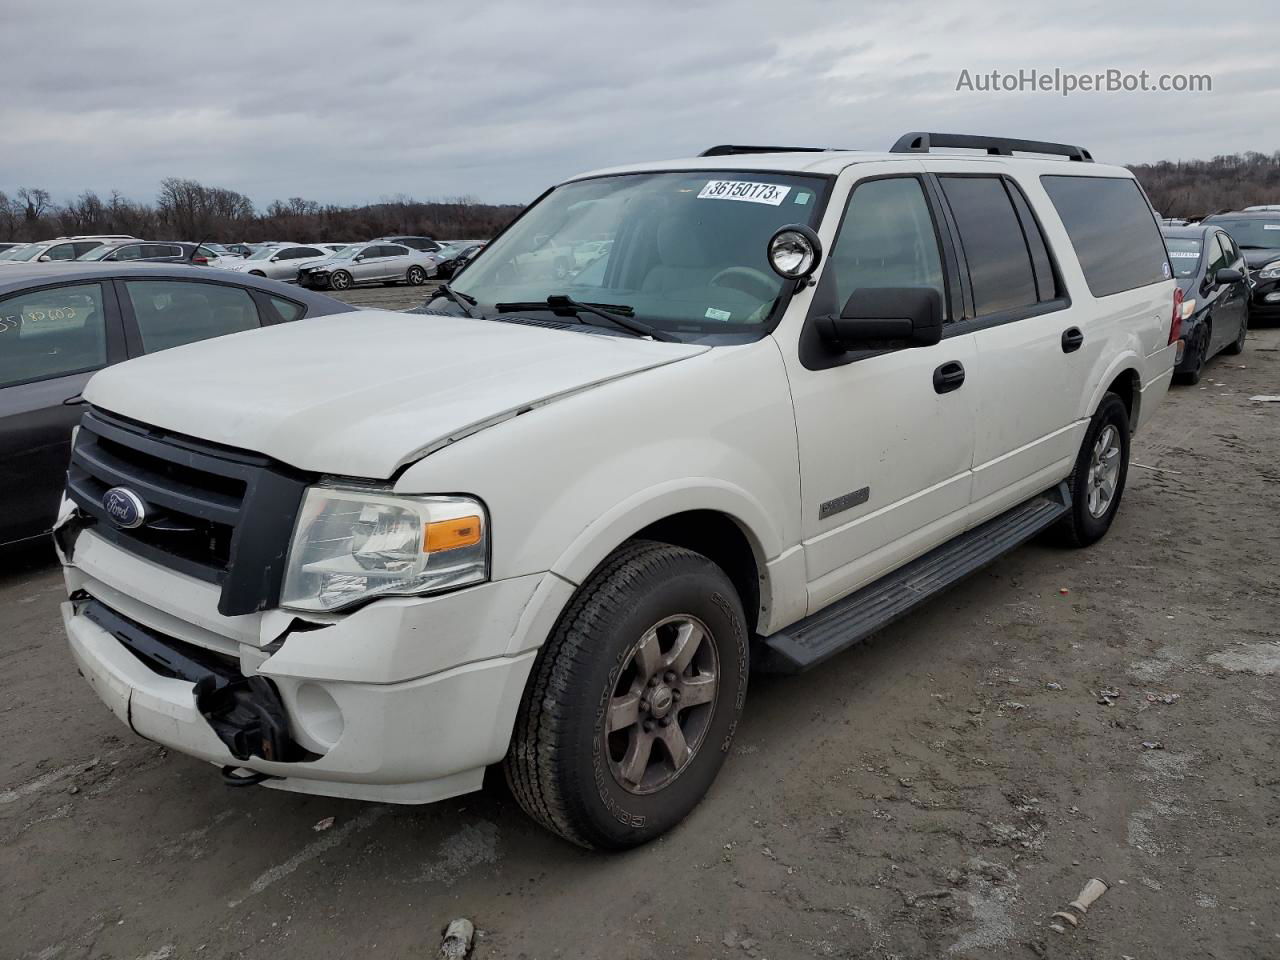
802, 197
715, 314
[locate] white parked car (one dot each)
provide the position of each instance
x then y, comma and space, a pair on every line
277, 263
554, 524
375, 262
60, 249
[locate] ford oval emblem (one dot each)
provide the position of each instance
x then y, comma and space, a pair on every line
124, 507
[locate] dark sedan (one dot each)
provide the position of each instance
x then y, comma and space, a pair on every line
153, 251
1257, 232
1210, 271
61, 322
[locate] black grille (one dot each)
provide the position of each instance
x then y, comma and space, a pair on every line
218, 514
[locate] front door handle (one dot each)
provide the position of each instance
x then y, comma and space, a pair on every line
948, 377
1072, 339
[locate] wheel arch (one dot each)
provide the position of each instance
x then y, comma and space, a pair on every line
1124, 380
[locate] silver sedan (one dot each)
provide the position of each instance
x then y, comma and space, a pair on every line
377, 262
277, 263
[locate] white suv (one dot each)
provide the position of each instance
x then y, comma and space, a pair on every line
553, 524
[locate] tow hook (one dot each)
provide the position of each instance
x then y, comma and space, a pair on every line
247, 715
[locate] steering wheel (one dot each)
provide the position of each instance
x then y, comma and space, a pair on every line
746, 278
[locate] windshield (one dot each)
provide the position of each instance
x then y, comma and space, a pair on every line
1184, 255
1259, 232
686, 251
98, 252
12, 252
28, 252
346, 253
263, 254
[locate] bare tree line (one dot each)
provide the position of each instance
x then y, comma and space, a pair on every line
188, 210
1197, 188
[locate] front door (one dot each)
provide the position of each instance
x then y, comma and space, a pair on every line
885, 438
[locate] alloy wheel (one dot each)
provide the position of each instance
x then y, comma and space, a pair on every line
662, 704
1104, 471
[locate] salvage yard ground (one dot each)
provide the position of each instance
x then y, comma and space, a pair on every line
940, 792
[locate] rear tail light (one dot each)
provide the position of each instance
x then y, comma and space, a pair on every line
203, 260
1175, 327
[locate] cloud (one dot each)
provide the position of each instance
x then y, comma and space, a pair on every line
349, 102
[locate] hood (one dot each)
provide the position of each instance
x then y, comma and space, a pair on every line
363, 393
1257, 259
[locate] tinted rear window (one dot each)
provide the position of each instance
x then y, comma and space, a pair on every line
1000, 269
1112, 229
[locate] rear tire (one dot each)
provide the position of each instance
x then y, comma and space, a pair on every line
1097, 482
649, 658
1192, 377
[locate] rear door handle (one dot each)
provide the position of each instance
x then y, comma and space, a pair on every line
948, 377
1072, 339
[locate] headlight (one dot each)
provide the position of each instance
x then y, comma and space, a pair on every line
1271, 271
350, 545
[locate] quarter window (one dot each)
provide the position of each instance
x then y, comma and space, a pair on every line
1112, 229
170, 313
887, 239
287, 309
51, 333
1000, 267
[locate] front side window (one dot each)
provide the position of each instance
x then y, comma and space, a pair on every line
686, 251
65, 251
1000, 269
1112, 229
1219, 258
170, 313
133, 251
887, 239
51, 333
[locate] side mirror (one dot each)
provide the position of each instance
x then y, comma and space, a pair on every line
885, 318
357, 258
274, 259
1228, 275
43, 258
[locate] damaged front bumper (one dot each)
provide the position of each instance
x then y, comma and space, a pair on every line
315, 708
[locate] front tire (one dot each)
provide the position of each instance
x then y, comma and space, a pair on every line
634, 699
1097, 482
340, 280
415, 276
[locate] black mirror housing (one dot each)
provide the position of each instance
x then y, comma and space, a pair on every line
885, 318
1228, 275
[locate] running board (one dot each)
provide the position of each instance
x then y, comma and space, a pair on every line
850, 621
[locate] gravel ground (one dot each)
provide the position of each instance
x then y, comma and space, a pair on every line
399, 297
936, 793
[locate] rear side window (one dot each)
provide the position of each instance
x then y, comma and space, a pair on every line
1112, 229
1000, 269
173, 312
51, 333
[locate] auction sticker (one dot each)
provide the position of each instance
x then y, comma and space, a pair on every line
1185, 254
748, 190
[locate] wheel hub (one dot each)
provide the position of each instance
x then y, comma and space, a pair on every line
659, 701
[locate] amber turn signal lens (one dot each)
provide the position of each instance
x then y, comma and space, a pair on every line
451, 534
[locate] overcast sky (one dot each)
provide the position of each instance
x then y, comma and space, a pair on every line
350, 102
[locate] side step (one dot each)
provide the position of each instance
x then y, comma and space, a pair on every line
851, 620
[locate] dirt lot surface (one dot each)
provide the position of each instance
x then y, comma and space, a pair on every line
399, 297
937, 793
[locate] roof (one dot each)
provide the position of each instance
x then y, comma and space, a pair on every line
1244, 215
1193, 231
23, 275
832, 162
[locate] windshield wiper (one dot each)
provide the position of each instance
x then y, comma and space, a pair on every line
618, 315
460, 299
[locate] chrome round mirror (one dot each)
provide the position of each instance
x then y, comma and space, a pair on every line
794, 251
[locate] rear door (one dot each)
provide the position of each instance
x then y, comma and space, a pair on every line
1032, 349
52, 340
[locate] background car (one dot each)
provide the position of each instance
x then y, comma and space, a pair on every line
60, 248
154, 251
13, 251
416, 243
279, 263
240, 249
454, 254
10, 245
377, 262
1210, 270
1257, 233
61, 323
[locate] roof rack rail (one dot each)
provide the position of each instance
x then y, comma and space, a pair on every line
733, 149
917, 142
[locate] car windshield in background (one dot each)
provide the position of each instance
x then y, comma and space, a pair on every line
27, 253
264, 254
1184, 256
1254, 233
685, 251
97, 253
13, 252
346, 253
